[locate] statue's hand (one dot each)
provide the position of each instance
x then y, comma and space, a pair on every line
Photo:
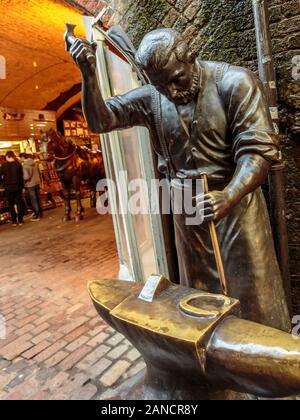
84, 55
214, 205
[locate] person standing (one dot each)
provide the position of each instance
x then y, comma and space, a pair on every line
32, 184
12, 174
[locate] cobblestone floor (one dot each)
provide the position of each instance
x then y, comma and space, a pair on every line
56, 346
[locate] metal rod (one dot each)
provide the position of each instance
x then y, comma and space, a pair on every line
216, 246
276, 179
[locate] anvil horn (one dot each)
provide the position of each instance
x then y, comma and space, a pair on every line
254, 358
194, 344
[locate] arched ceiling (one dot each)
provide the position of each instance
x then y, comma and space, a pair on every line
40, 74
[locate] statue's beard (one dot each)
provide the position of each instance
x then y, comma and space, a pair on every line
185, 97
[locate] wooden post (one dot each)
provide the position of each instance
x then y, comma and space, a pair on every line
276, 179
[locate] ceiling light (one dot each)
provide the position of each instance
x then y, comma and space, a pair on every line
5, 144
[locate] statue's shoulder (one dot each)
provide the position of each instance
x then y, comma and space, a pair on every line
139, 94
229, 76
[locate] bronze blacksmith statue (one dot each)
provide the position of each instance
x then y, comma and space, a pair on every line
213, 118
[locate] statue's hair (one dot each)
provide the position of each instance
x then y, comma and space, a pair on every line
156, 47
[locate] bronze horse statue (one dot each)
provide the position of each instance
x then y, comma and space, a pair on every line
73, 165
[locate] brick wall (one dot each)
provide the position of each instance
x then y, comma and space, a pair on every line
90, 6
224, 30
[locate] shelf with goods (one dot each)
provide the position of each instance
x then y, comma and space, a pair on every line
51, 188
79, 133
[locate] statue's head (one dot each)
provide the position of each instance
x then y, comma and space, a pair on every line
170, 65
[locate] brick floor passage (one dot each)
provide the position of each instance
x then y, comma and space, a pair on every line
56, 346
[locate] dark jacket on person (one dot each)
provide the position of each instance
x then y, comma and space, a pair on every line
12, 175
31, 173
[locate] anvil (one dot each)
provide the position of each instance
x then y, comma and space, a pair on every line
194, 344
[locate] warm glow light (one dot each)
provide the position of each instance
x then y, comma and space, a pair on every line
35, 64
37, 87
5, 144
41, 125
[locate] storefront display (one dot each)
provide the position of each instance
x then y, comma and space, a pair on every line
79, 133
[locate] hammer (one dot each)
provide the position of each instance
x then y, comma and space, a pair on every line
215, 242
70, 38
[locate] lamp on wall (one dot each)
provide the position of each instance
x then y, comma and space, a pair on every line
5, 144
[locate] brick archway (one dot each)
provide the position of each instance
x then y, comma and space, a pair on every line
38, 69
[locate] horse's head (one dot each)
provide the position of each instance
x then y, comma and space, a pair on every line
52, 143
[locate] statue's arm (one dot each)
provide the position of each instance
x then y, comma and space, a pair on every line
251, 172
117, 112
255, 145
99, 117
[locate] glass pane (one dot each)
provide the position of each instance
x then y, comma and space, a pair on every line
122, 80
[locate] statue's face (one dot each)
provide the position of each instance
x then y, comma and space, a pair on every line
176, 80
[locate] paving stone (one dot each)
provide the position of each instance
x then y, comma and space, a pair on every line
36, 349
76, 333
4, 364
42, 337
99, 339
50, 351
98, 368
134, 370
14, 396
85, 393
116, 339
56, 358
68, 327
118, 351
26, 321
13, 352
56, 382
133, 355
28, 388
74, 357
3, 395
93, 357
95, 331
21, 377
68, 389
14, 344
41, 328
24, 330
39, 396
17, 365
114, 373
77, 343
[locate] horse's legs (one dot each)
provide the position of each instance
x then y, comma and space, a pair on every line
93, 196
68, 209
80, 210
